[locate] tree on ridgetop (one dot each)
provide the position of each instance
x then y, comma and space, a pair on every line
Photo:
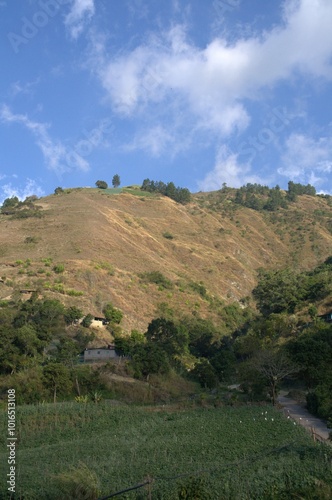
116, 181
101, 184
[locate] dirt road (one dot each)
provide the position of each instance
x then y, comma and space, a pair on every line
294, 410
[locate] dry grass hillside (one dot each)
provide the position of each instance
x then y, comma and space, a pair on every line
208, 250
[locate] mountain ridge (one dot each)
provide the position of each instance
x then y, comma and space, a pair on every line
208, 250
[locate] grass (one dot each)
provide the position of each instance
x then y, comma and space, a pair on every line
242, 453
83, 227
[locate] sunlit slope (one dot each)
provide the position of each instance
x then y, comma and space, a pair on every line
106, 241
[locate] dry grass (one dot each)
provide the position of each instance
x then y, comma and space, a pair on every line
106, 241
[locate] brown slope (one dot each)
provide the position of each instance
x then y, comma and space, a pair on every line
92, 233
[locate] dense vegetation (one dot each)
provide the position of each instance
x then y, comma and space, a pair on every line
274, 338
181, 195
21, 209
216, 453
260, 197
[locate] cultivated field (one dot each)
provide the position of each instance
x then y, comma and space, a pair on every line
230, 453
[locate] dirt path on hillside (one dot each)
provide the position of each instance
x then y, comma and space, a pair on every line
294, 410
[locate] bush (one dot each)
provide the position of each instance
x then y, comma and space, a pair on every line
101, 184
168, 235
87, 320
80, 483
112, 314
59, 268
156, 277
31, 239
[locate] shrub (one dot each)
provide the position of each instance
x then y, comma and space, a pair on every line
59, 268
74, 293
80, 483
158, 278
101, 184
112, 314
87, 320
47, 262
31, 239
168, 235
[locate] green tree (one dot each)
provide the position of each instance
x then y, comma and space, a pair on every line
173, 339
274, 365
10, 202
87, 320
58, 190
148, 359
112, 314
116, 181
56, 378
279, 291
67, 351
72, 314
205, 374
101, 184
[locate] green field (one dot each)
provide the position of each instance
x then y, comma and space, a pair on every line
236, 453
129, 190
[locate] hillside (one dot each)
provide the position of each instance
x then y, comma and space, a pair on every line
208, 251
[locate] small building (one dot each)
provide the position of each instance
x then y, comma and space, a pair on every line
326, 317
100, 353
99, 322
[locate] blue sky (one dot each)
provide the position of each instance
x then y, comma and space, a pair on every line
196, 92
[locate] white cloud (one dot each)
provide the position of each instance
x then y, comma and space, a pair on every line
154, 141
23, 88
31, 187
307, 160
227, 169
214, 81
81, 13
57, 157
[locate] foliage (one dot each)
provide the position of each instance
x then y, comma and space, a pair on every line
80, 483
148, 359
101, 184
295, 189
10, 202
56, 378
72, 314
237, 452
171, 338
116, 181
180, 195
196, 488
59, 268
87, 320
112, 314
168, 235
58, 190
125, 345
205, 374
277, 291
158, 278
274, 366
284, 290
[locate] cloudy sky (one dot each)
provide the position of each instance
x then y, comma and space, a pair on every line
198, 92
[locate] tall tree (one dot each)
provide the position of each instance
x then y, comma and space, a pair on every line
274, 366
116, 181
